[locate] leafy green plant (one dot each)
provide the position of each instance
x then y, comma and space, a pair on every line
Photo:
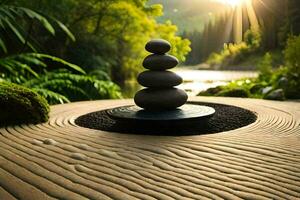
228, 54
12, 16
62, 86
235, 92
265, 67
272, 83
292, 55
110, 33
40, 72
253, 38
238, 88
57, 86
22, 67
292, 70
232, 54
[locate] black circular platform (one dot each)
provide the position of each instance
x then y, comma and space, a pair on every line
185, 112
226, 118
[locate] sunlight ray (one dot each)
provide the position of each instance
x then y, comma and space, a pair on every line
232, 3
228, 28
252, 15
238, 24
237, 17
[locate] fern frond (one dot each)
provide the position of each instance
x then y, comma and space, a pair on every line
58, 60
14, 30
6, 68
31, 60
66, 30
34, 15
100, 75
3, 46
9, 16
25, 64
52, 97
75, 87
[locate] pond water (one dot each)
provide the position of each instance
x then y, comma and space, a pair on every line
195, 81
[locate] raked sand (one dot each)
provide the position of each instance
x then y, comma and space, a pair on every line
60, 160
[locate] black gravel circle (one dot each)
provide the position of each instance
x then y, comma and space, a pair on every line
226, 118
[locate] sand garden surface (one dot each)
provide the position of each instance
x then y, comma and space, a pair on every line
61, 160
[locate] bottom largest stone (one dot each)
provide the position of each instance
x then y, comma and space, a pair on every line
160, 99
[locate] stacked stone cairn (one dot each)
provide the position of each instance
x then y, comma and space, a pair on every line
160, 92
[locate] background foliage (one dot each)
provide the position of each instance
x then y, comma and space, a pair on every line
110, 34
272, 83
272, 48
278, 19
105, 38
19, 62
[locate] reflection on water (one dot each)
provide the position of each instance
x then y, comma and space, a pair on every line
196, 81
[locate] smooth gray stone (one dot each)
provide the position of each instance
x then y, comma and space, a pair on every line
276, 95
160, 62
158, 46
283, 82
267, 90
160, 99
159, 79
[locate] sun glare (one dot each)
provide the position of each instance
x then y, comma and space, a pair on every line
241, 9
232, 3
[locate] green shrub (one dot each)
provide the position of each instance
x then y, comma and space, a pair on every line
292, 55
211, 91
62, 87
253, 38
292, 69
240, 88
235, 92
42, 72
229, 54
265, 67
232, 54
21, 105
58, 86
283, 81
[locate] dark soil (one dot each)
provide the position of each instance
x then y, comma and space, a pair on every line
226, 118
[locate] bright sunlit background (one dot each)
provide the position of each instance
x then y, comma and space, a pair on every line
241, 9
232, 3
231, 35
106, 40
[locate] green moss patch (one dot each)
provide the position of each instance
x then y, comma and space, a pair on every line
234, 93
21, 105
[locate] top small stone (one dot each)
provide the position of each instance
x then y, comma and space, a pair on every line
158, 46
